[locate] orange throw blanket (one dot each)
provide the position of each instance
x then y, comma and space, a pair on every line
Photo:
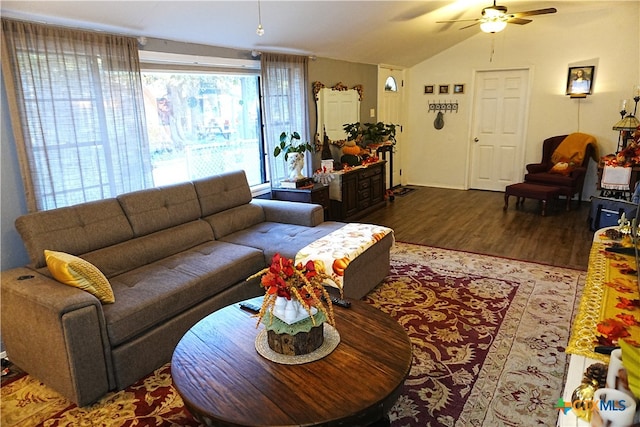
572, 149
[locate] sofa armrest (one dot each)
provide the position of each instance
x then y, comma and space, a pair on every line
298, 213
57, 334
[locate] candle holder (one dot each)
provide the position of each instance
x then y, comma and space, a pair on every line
628, 122
622, 113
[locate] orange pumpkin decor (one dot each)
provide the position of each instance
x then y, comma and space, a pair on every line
378, 236
355, 150
340, 265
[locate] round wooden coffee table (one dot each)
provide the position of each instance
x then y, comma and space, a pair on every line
225, 382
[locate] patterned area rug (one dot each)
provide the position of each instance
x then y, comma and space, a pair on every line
488, 337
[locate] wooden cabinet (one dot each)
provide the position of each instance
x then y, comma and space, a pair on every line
359, 191
319, 195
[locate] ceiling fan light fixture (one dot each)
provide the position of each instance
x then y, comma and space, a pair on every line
493, 12
493, 26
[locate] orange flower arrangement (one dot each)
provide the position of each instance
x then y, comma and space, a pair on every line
627, 157
301, 282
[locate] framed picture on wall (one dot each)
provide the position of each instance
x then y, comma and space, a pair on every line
444, 89
580, 80
428, 89
458, 88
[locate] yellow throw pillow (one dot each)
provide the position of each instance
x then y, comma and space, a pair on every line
76, 272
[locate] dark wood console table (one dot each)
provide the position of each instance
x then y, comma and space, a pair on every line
358, 191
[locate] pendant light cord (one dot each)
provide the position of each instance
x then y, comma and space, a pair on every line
260, 29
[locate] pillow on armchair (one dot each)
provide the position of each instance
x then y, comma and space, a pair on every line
563, 168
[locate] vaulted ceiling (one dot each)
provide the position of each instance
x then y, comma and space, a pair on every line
400, 33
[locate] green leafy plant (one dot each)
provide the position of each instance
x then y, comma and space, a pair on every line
375, 133
288, 145
379, 132
353, 130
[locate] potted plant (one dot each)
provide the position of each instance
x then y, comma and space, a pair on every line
379, 132
290, 145
353, 130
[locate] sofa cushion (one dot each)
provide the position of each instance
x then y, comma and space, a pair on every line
76, 272
285, 239
222, 192
160, 208
73, 229
235, 219
154, 293
135, 253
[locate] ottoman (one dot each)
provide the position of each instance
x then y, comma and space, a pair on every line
524, 190
355, 255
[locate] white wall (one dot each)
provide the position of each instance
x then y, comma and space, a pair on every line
547, 46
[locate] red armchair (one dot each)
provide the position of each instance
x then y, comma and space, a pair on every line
569, 184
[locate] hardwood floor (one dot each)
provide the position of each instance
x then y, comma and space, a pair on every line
474, 221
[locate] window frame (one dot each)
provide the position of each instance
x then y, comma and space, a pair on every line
154, 61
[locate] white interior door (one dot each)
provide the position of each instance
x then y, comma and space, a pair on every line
390, 102
498, 127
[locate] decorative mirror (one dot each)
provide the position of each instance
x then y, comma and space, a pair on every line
335, 106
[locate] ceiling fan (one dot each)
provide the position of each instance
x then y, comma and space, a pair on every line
495, 18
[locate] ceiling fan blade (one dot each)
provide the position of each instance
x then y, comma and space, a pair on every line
533, 12
469, 26
457, 20
518, 21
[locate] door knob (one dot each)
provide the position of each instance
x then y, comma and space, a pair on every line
475, 139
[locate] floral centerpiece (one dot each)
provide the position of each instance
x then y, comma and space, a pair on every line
301, 283
301, 288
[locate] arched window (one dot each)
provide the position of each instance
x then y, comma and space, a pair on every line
390, 85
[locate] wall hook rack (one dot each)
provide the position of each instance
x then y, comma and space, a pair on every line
443, 106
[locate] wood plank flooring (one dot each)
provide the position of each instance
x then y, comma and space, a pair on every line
474, 221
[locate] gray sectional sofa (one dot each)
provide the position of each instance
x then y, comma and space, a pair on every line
172, 256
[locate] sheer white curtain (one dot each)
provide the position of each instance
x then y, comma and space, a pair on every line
76, 105
285, 106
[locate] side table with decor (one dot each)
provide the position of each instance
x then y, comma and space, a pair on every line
318, 194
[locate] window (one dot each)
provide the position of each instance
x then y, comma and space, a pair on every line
390, 85
203, 123
79, 130
92, 123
